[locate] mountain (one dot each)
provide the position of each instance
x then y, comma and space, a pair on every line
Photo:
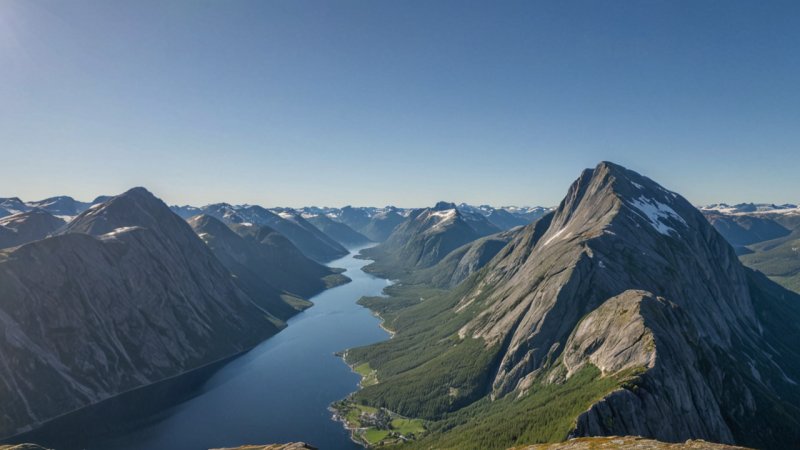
752, 208
464, 261
311, 241
622, 312
376, 224
27, 227
506, 217
766, 236
506, 220
266, 266
187, 211
337, 231
425, 238
12, 205
779, 259
741, 230
126, 295
291, 224
61, 206
354, 217
382, 224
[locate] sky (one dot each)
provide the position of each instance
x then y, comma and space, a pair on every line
298, 102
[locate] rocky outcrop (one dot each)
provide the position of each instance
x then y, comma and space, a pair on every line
629, 443
289, 446
128, 295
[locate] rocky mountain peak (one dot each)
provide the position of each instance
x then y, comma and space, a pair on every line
443, 206
135, 207
614, 231
204, 223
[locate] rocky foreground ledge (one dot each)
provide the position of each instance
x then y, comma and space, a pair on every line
629, 443
289, 446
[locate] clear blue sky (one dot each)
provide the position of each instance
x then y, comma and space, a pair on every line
405, 102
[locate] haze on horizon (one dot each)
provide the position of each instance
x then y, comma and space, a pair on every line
293, 103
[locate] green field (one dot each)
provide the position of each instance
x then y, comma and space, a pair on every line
374, 436
408, 427
368, 375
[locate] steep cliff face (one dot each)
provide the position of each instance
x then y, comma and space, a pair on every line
626, 274
126, 296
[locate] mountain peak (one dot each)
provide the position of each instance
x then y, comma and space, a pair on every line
135, 207
443, 206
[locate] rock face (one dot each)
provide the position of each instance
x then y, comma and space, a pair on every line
126, 296
27, 227
265, 265
428, 235
627, 275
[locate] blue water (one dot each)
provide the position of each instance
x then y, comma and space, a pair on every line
279, 391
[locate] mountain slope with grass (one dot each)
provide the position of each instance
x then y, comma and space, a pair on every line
622, 312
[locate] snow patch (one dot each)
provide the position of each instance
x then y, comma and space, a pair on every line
120, 230
656, 213
441, 218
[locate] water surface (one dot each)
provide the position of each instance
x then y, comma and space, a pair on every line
279, 391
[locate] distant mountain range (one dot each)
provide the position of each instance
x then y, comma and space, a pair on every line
425, 237
766, 236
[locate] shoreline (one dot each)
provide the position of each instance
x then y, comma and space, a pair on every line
335, 412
